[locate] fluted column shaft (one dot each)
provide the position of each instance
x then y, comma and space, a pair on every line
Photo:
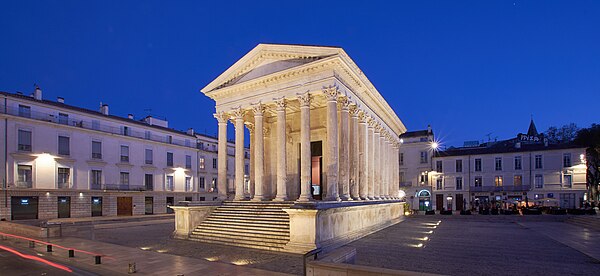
354, 155
305, 159
363, 158
239, 155
332, 145
250, 127
222, 156
344, 170
371, 161
281, 152
377, 163
259, 153
388, 165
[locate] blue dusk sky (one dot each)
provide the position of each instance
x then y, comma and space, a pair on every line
468, 68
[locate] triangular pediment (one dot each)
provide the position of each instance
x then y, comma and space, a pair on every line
266, 59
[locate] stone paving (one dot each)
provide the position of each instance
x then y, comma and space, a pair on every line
475, 245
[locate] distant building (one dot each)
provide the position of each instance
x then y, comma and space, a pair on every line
414, 167
524, 168
65, 161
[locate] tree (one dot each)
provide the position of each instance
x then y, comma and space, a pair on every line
590, 138
564, 134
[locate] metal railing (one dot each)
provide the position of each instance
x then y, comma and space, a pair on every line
119, 187
507, 188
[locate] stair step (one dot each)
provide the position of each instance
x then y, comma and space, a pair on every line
278, 248
235, 231
256, 213
248, 220
249, 216
247, 225
243, 236
234, 241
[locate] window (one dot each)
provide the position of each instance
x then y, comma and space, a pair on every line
459, 183
423, 157
24, 111
188, 161
64, 175
498, 181
478, 165
214, 185
201, 183
439, 183
567, 180
147, 135
518, 180
63, 118
401, 177
401, 158
423, 178
124, 180
539, 181
125, 131
214, 163
96, 150
96, 125
188, 184
199, 145
169, 159
125, 154
149, 182
201, 163
169, 139
498, 163
149, 157
24, 179
518, 163
169, 183
538, 161
24, 140
95, 179
567, 160
63, 145
438, 166
478, 181
458, 165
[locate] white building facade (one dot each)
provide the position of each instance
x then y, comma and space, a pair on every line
66, 161
415, 166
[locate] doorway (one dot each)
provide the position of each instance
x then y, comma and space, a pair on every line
460, 202
64, 207
439, 202
24, 207
96, 206
149, 205
316, 169
170, 202
124, 206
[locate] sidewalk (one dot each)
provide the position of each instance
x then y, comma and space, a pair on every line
116, 259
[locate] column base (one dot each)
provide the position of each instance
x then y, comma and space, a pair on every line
281, 198
332, 199
345, 197
305, 199
259, 198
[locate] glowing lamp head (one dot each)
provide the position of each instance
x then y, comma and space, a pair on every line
435, 145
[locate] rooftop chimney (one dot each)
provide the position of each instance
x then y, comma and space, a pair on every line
60, 99
104, 109
37, 93
130, 116
190, 131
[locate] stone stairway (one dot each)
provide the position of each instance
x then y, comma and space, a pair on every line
590, 222
260, 225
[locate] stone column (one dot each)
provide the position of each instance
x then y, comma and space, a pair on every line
371, 158
331, 94
238, 116
250, 127
363, 155
222, 155
344, 157
395, 172
305, 158
281, 152
377, 162
388, 165
259, 151
354, 155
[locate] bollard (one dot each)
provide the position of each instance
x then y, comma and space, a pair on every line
98, 259
49, 248
132, 268
71, 253
31, 244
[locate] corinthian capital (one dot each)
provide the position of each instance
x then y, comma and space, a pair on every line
304, 99
258, 109
221, 117
280, 104
331, 93
344, 102
250, 127
238, 113
353, 109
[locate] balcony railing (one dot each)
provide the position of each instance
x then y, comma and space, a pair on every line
118, 187
52, 118
24, 184
511, 188
64, 185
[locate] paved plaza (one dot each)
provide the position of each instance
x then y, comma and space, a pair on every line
455, 245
